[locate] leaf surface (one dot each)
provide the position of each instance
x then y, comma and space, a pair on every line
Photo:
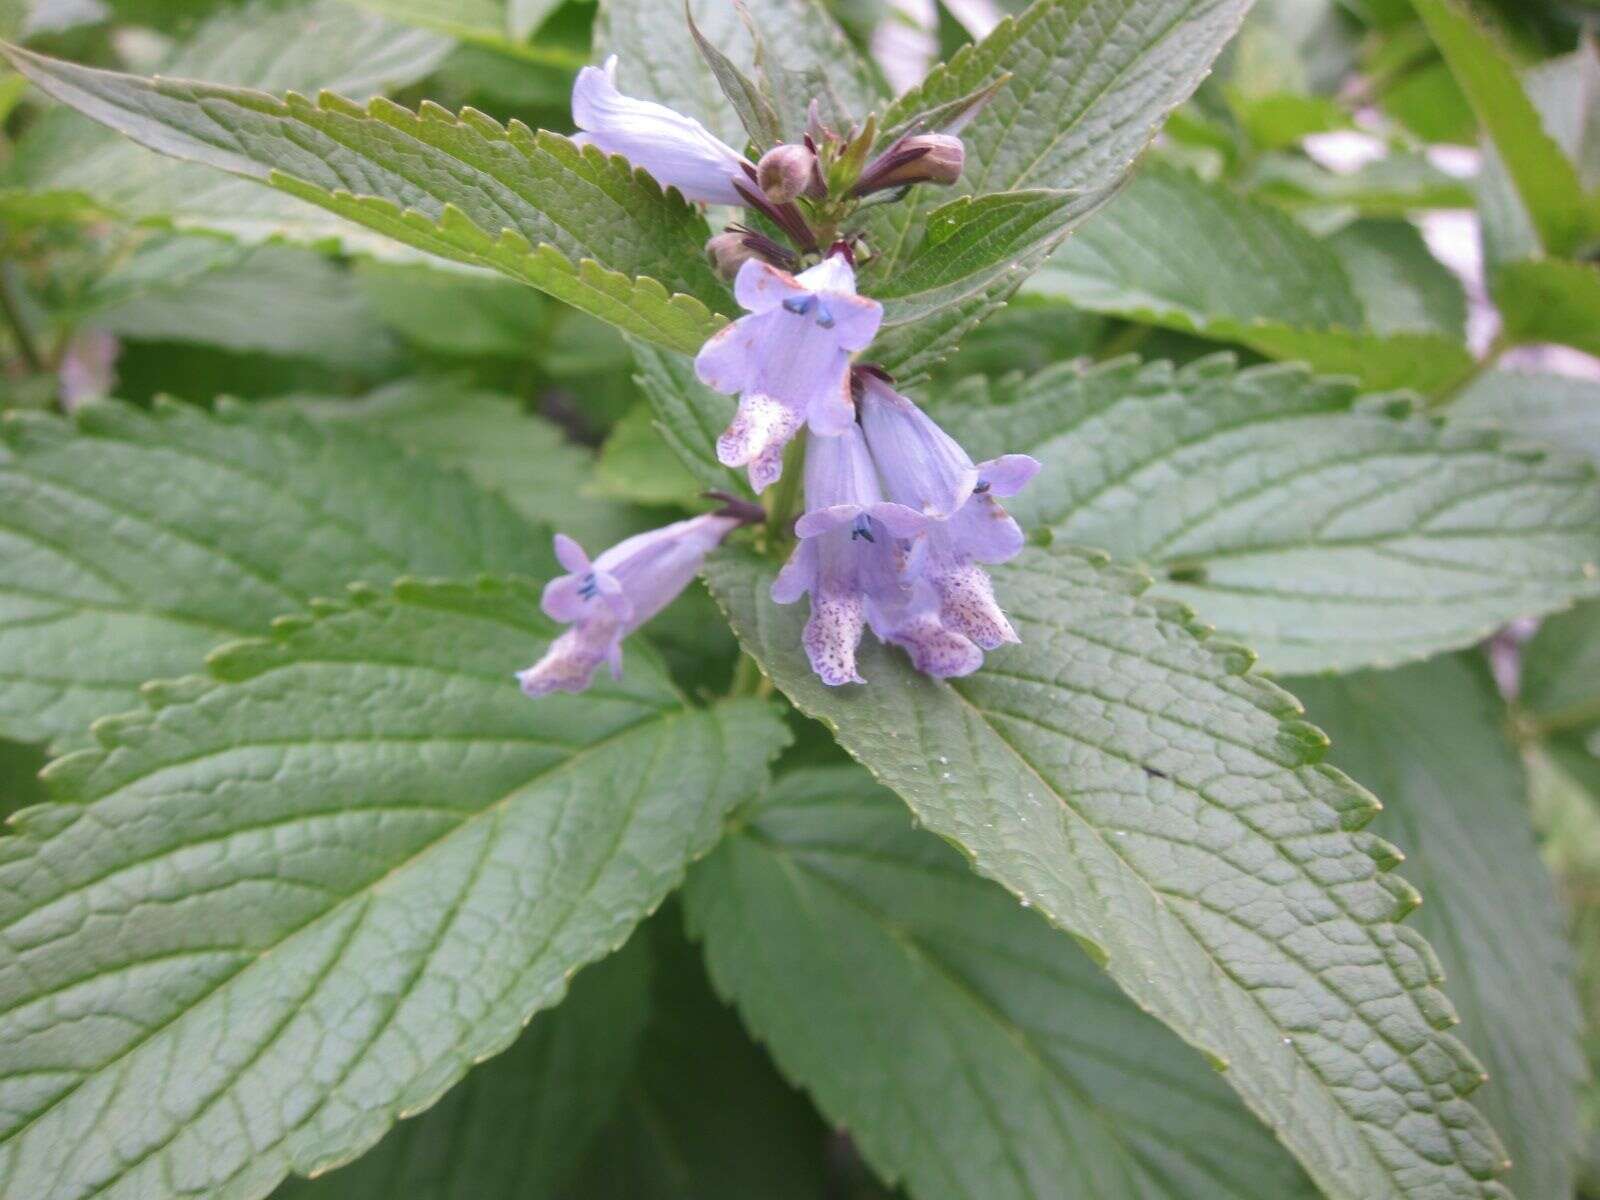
1130, 780
882, 971
354, 845
1431, 740
1324, 530
133, 543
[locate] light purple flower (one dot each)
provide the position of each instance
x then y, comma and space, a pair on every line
605, 600
924, 469
788, 360
852, 559
677, 150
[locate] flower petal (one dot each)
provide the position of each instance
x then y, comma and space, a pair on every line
570, 555
729, 361
761, 287
759, 430
799, 574
1008, 474
922, 466
831, 637
935, 650
967, 605
569, 665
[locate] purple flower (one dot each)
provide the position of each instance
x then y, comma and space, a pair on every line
924, 469
788, 360
677, 150
605, 600
853, 560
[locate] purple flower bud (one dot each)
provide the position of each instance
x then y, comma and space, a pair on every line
605, 600
677, 150
924, 469
788, 360
919, 158
786, 171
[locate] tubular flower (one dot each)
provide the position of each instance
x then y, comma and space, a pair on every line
605, 600
677, 150
788, 360
853, 560
924, 469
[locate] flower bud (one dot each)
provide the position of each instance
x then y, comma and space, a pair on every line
920, 158
786, 171
728, 252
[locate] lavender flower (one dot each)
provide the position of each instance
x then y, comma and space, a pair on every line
925, 469
605, 600
853, 560
677, 150
788, 359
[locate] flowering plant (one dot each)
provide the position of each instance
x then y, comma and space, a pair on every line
571, 554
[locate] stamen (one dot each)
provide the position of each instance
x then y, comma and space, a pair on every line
589, 588
862, 530
983, 486
800, 305
824, 315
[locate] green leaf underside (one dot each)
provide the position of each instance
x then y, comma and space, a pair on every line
1545, 179
355, 848
1107, 71
881, 971
329, 44
1430, 740
516, 1127
585, 227
1402, 287
132, 543
1553, 410
1131, 781
1177, 252
1324, 530
522, 457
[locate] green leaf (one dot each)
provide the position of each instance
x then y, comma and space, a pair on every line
516, 1126
1561, 673
636, 464
705, 1116
355, 845
1402, 287
1393, 186
1323, 530
503, 25
523, 457
659, 61
1554, 410
1545, 179
747, 97
586, 228
79, 167
1430, 739
270, 299
1279, 120
1090, 83
459, 313
881, 972
1549, 300
1130, 780
134, 543
689, 416
1176, 252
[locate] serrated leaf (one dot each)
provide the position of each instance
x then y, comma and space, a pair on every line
1431, 739
689, 416
585, 227
705, 1116
1177, 252
1554, 410
133, 543
1322, 530
355, 845
524, 458
881, 972
517, 1126
1545, 179
1090, 83
78, 167
1130, 780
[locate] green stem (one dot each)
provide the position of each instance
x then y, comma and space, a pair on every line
1485, 364
784, 505
12, 310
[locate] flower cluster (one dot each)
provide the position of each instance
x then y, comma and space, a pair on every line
899, 522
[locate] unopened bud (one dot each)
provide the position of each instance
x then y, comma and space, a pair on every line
785, 171
728, 252
920, 158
